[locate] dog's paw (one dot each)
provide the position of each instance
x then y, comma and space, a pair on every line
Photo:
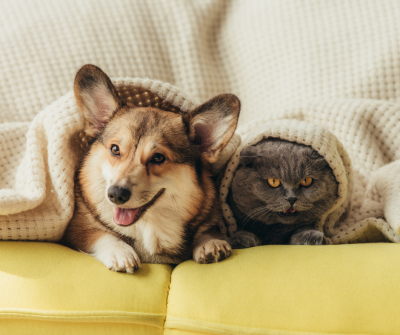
244, 239
123, 259
116, 254
308, 237
212, 251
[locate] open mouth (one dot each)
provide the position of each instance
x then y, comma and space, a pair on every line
289, 212
128, 216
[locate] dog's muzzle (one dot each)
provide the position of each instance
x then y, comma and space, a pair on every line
128, 216
118, 195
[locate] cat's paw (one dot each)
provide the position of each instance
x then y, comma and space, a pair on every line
244, 239
116, 254
308, 237
212, 251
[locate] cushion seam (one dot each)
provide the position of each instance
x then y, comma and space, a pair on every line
278, 331
79, 315
167, 300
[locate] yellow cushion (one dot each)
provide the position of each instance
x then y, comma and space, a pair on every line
47, 288
346, 289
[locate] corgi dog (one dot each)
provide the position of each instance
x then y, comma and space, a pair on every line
144, 191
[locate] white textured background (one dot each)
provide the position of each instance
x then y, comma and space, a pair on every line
324, 59
268, 52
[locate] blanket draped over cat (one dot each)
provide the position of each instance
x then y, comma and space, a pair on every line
359, 212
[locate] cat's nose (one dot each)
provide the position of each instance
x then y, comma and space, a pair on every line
292, 200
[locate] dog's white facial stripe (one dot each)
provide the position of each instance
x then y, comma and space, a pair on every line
110, 176
107, 171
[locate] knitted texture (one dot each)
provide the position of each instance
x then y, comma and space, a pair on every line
338, 60
37, 200
269, 53
365, 212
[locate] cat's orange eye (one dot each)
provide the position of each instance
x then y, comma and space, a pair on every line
273, 182
306, 182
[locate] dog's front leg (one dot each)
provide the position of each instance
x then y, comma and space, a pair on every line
115, 254
210, 247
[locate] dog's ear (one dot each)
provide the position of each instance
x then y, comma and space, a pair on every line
212, 124
96, 97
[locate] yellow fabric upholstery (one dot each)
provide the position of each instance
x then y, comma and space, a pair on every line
279, 290
47, 289
344, 289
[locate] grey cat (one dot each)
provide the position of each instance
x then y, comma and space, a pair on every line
278, 193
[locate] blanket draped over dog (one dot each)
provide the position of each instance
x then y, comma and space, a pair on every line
37, 195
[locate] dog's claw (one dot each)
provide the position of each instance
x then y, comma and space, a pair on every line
212, 251
117, 255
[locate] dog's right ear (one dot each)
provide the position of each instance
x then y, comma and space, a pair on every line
213, 124
96, 97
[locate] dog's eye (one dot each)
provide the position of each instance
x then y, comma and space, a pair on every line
157, 159
115, 150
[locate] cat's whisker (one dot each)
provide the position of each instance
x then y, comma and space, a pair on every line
256, 209
266, 216
254, 212
263, 215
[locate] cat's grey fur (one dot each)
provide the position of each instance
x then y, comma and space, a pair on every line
258, 207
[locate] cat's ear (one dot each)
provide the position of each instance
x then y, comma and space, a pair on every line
211, 125
96, 97
248, 155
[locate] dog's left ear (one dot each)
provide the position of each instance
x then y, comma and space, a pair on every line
213, 124
96, 97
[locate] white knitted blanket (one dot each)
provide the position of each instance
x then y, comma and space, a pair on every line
337, 61
38, 200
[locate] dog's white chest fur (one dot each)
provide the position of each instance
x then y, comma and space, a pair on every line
156, 232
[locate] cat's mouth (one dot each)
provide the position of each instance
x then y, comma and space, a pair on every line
289, 212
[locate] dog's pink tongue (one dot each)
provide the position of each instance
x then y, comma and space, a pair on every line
123, 216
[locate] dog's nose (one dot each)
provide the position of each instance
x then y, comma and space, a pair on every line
292, 200
118, 195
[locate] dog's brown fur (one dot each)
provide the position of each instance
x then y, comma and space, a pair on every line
182, 221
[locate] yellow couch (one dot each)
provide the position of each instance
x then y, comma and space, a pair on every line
281, 290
